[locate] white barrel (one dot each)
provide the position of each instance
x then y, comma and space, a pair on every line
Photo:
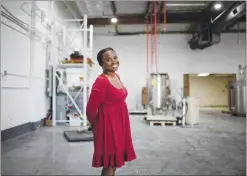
192, 116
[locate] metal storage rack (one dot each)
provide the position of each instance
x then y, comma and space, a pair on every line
60, 48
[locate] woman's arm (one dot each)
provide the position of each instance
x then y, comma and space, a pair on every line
96, 98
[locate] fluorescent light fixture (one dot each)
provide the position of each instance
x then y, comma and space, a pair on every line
217, 6
114, 20
203, 74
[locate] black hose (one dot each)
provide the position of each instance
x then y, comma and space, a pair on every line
180, 108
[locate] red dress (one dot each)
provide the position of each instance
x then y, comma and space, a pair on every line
108, 114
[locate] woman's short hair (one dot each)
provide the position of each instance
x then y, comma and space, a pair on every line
100, 54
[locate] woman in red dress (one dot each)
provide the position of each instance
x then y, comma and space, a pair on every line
108, 114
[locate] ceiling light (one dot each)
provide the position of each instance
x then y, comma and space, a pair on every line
114, 20
217, 6
203, 74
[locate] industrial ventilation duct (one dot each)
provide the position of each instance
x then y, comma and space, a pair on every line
209, 33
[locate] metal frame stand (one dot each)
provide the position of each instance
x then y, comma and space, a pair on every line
60, 47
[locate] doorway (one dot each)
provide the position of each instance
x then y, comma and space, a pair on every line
210, 90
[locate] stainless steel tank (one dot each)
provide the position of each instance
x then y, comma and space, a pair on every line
159, 91
237, 97
237, 93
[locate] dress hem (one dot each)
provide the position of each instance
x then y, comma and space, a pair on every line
113, 160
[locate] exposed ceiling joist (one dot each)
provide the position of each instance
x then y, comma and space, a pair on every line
179, 32
188, 17
229, 17
74, 13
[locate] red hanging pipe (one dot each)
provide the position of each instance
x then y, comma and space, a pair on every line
147, 45
152, 41
155, 34
164, 11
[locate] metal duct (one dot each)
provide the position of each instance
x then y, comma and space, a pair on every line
229, 17
209, 34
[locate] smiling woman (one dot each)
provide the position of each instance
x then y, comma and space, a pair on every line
108, 114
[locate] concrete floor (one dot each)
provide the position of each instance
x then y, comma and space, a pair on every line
215, 147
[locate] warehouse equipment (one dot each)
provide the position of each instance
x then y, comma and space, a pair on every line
237, 94
63, 70
159, 92
192, 112
69, 102
160, 103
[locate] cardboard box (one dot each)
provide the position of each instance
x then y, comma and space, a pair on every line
144, 96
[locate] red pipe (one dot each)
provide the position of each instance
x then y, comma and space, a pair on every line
164, 15
152, 41
147, 46
155, 34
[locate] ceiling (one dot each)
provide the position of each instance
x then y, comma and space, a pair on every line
132, 15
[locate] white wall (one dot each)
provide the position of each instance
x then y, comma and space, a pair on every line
23, 100
174, 57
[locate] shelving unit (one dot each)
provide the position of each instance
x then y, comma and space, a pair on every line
61, 71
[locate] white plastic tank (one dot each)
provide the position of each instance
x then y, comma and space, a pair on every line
192, 117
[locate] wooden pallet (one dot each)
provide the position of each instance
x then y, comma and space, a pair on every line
162, 118
162, 123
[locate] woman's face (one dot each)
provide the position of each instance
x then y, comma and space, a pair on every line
110, 61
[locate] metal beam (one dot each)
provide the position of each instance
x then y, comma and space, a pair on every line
72, 11
209, 12
179, 32
188, 17
229, 17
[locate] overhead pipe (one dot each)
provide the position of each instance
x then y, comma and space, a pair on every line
152, 41
155, 35
164, 11
82, 6
218, 25
172, 4
72, 11
147, 47
229, 16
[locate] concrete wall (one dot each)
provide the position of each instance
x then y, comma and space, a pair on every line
174, 57
24, 100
